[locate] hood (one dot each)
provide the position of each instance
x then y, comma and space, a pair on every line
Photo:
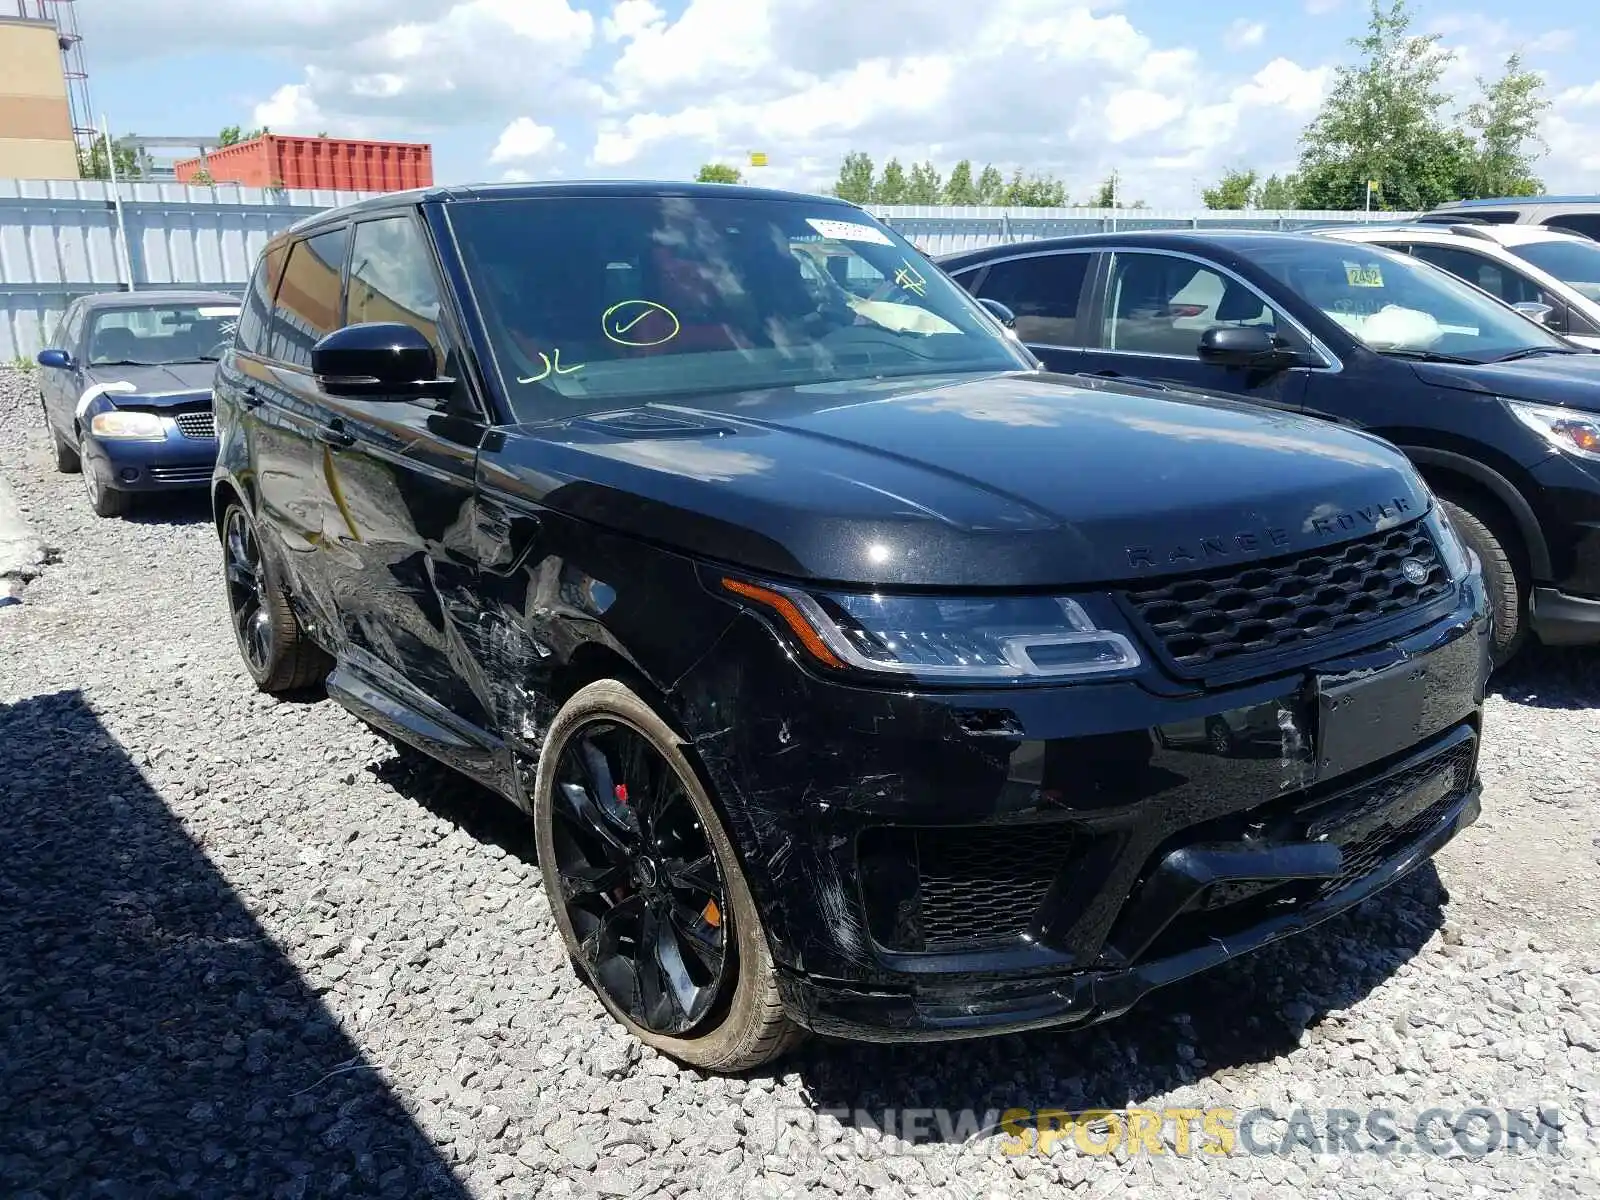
1570, 379
159, 386
997, 481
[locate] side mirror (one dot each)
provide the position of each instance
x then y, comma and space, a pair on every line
1534, 310
1244, 346
59, 359
999, 312
380, 360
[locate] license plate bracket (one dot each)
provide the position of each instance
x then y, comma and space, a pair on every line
1369, 717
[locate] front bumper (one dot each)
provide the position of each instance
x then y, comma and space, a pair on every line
946, 864
178, 462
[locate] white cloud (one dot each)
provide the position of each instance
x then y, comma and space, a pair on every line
1244, 33
1579, 97
290, 108
1073, 88
524, 138
631, 19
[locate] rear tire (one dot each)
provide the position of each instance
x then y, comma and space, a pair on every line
67, 460
276, 651
1502, 580
747, 1026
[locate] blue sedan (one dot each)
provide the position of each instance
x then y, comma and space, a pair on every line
127, 391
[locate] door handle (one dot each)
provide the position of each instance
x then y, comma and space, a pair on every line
249, 397
335, 434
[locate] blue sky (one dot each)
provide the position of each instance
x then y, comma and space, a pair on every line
1168, 92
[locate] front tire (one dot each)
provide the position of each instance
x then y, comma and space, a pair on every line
1501, 579
647, 890
276, 651
104, 501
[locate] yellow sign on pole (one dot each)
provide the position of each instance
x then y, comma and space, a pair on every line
758, 158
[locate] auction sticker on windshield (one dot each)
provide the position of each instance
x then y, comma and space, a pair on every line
849, 231
1363, 275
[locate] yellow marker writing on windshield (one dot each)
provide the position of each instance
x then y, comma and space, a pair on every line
551, 366
911, 279
621, 323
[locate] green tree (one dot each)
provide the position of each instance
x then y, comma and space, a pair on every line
891, 187
230, 135
960, 189
1036, 191
855, 178
1383, 122
1504, 121
1236, 189
925, 185
1106, 197
1278, 192
92, 163
991, 185
715, 172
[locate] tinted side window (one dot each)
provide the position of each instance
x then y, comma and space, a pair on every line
255, 318
1043, 293
1584, 223
307, 307
66, 334
1479, 270
1161, 304
392, 279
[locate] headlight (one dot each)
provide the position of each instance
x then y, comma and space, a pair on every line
979, 638
1453, 552
137, 426
1571, 431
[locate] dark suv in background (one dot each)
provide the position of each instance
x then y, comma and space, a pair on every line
855, 673
1500, 415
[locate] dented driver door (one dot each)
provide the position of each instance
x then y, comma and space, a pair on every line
395, 477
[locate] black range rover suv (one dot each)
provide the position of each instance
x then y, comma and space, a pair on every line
857, 675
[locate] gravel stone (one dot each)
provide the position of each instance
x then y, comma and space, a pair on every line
250, 948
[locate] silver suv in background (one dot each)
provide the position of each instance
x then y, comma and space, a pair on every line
1578, 214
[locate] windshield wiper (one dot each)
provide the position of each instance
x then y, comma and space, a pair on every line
1431, 356
1154, 385
1530, 351
119, 362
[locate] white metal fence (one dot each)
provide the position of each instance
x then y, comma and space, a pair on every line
60, 239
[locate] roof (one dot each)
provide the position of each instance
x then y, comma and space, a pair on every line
1500, 235
157, 299
1176, 239
1503, 201
562, 188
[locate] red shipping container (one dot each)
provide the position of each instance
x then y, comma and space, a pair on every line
340, 164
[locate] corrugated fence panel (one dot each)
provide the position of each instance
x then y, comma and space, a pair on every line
58, 238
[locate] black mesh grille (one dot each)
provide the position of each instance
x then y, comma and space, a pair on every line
1201, 620
983, 885
1369, 841
1370, 823
197, 424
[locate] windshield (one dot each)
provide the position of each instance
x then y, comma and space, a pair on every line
1576, 263
177, 333
593, 300
1397, 305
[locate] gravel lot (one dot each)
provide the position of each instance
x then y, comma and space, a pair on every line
248, 947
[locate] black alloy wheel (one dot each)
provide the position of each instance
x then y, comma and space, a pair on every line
247, 595
639, 880
276, 651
